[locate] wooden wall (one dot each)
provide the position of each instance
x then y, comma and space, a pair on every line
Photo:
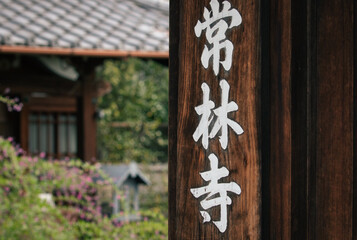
295, 67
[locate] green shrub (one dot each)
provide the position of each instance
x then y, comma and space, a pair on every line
77, 214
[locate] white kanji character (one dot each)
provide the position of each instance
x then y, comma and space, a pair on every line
214, 188
222, 122
216, 27
204, 111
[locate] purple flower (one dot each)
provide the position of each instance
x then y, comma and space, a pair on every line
7, 90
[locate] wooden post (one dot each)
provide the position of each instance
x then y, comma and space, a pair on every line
189, 157
293, 78
88, 118
311, 110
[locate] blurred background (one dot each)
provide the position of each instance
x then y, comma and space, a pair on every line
83, 119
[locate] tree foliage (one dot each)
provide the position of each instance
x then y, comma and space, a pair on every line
134, 119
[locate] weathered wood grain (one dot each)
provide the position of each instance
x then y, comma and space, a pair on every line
280, 117
334, 162
242, 154
304, 121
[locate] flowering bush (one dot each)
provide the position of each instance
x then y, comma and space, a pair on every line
13, 104
76, 214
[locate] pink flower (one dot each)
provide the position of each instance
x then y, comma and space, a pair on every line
42, 155
10, 139
7, 189
118, 197
79, 196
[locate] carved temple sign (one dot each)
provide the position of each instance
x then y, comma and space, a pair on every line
214, 150
216, 23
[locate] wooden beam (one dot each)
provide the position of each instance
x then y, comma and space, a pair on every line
82, 52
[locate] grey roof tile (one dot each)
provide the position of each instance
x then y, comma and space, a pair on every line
99, 33
17, 40
38, 9
64, 43
29, 14
153, 42
17, 7
148, 47
129, 47
59, 11
84, 7
144, 28
141, 36
43, 22
135, 42
51, 16
3, 19
117, 17
25, 34
114, 41
70, 38
79, 31
45, 4
119, 34
111, 24
97, 15
106, 27
93, 21
104, 10
72, 18
38, 41
49, 36
56, 30
10, 26
91, 3
108, 46
86, 45
64, 24
92, 39
21, 20
4, 32
8, 13
34, 28
125, 28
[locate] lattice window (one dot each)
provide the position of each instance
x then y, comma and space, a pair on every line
53, 133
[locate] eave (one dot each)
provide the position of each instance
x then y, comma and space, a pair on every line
83, 52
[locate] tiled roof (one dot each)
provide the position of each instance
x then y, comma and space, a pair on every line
123, 172
126, 25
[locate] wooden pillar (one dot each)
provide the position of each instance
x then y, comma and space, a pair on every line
189, 157
311, 112
293, 78
88, 122
334, 119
